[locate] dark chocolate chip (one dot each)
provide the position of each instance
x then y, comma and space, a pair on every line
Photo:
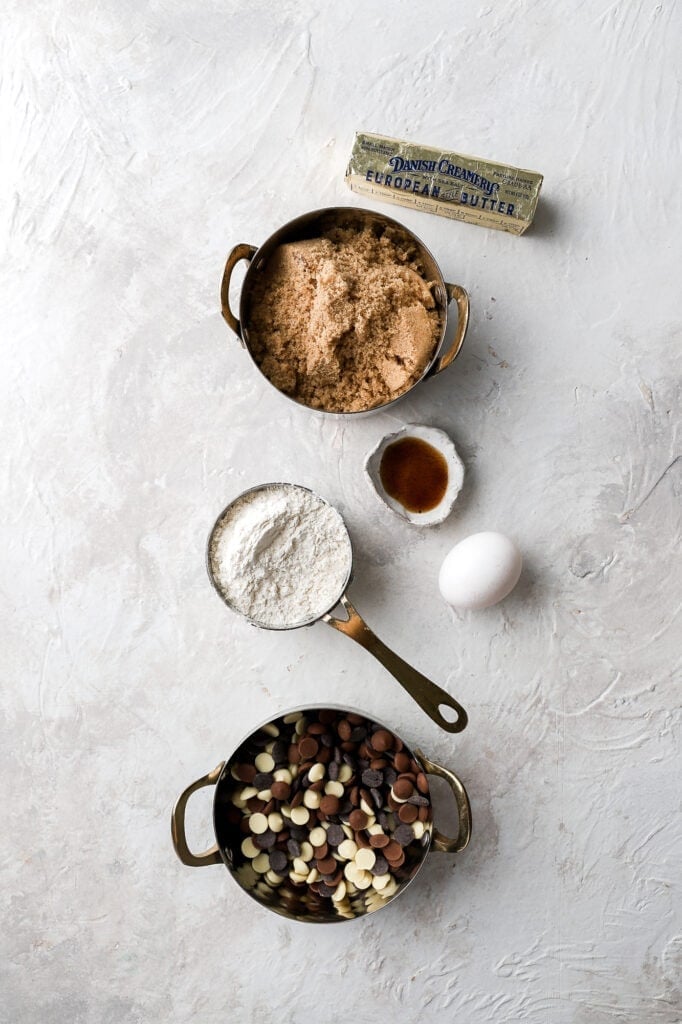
418, 800
403, 834
278, 861
263, 780
380, 866
335, 835
266, 840
294, 847
358, 734
324, 889
377, 798
370, 778
333, 771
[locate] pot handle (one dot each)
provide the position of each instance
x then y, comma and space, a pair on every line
240, 252
461, 297
440, 842
193, 860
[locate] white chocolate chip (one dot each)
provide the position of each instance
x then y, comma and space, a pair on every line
283, 775
311, 799
318, 836
364, 806
300, 866
301, 726
275, 822
347, 849
350, 871
300, 815
339, 893
307, 852
334, 788
345, 773
265, 795
316, 772
291, 718
381, 881
273, 878
271, 729
249, 848
365, 859
248, 792
363, 879
398, 799
313, 876
285, 811
264, 762
418, 827
375, 830
261, 863
258, 823
390, 889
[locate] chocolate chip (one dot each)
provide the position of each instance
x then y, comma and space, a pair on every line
333, 771
380, 866
266, 840
278, 861
326, 866
379, 840
402, 788
308, 747
279, 753
377, 798
358, 819
401, 762
344, 729
280, 790
263, 780
330, 805
335, 835
403, 834
422, 783
390, 776
245, 772
408, 813
325, 890
327, 740
358, 734
294, 847
418, 800
382, 739
370, 778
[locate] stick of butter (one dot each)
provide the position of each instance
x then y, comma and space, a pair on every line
449, 184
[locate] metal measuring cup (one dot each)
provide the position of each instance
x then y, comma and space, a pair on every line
427, 694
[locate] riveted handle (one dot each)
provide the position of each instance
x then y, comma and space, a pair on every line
441, 842
460, 296
430, 697
240, 252
193, 860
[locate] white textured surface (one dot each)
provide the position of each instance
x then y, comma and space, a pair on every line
141, 141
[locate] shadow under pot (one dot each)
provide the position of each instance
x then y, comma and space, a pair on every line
310, 387
323, 815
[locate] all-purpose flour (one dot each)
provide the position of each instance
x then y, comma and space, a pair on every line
281, 556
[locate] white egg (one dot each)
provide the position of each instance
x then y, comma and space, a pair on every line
480, 570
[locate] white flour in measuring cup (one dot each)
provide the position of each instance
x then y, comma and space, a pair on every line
281, 556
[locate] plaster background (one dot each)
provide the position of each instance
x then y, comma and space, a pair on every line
141, 141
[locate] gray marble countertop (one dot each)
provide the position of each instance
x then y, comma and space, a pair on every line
142, 141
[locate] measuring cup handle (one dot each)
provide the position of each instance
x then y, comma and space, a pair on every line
441, 842
428, 695
460, 296
240, 252
193, 860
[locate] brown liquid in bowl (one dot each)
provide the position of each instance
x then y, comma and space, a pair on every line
414, 473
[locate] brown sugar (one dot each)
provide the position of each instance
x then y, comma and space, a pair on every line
344, 322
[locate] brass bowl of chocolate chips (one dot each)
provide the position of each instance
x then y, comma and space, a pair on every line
323, 815
344, 310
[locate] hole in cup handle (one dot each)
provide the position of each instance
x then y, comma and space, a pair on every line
461, 297
244, 251
193, 860
441, 842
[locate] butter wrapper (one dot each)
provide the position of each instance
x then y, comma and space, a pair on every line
449, 184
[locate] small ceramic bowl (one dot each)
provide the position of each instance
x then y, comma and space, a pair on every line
439, 440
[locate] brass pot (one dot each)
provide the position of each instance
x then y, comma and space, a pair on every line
286, 899
312, 225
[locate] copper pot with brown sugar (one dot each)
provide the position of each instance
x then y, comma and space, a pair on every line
344, 310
